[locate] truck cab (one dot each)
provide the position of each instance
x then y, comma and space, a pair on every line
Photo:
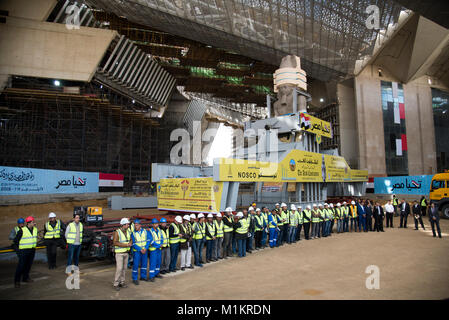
439, 192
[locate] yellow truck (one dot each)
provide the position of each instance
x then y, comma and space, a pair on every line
439, 192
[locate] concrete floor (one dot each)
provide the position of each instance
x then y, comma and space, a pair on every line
413, 265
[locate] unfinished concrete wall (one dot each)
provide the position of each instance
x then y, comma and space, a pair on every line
38, 10
370, 127
347, 116
50, 50
420, 126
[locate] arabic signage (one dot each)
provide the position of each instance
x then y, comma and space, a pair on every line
298, 166
17, 181
358, 175
337, 169
403, 185
315, 126
272, 186
189, 194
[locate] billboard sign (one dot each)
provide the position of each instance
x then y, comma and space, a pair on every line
19, 181
418, 185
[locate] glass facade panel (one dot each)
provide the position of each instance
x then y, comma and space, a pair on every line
440, 107
396, 159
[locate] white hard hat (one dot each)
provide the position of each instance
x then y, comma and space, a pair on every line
228, 209
258, 209
250, 208
283, 204
338, 204
200, 215
52, 215
344, 202
352, 202
219, 215
192, 216
293, 207
332, 205
240, 215
314, 205
276, 204
320, 205
124, 221
186, 217
308, 207
178, 219
326, 204
210, 215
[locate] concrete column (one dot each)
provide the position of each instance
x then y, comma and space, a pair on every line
347, 121
420, 127
370, 127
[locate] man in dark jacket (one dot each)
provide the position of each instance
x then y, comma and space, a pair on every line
378, 214
26, 241
417, 215
405, 211
369, 215
434, 218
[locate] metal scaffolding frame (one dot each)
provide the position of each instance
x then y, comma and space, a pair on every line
84, 132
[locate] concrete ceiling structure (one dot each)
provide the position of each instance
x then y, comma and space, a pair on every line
437, 11
419, 48
329, 36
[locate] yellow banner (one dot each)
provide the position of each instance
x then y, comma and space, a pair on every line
189, 194
298, 166
359, 175
337, 169
315, 125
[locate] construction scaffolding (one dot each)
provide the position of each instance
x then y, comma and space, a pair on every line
85, 132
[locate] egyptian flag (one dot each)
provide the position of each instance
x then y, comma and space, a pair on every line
304, 121
110, 182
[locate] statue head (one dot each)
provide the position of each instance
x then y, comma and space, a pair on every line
287, 77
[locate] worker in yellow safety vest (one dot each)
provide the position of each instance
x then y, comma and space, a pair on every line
140, 246
258, 229
122, 243
165, 249
228, 230
345, 209
219, 225
315, 221
353, 215
339, 217
26, 241
52, 237
241, 233
74, 239
292, 224
265, 212
174, 235
307, 221
211, 236
282, 225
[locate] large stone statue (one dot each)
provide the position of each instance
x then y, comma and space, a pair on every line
286, 78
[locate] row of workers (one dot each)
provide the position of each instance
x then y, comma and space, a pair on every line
221, 235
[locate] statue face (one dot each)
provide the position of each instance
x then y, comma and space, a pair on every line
284, 104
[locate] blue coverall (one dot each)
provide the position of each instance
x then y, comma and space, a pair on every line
139, 258
273, 232
155, 251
